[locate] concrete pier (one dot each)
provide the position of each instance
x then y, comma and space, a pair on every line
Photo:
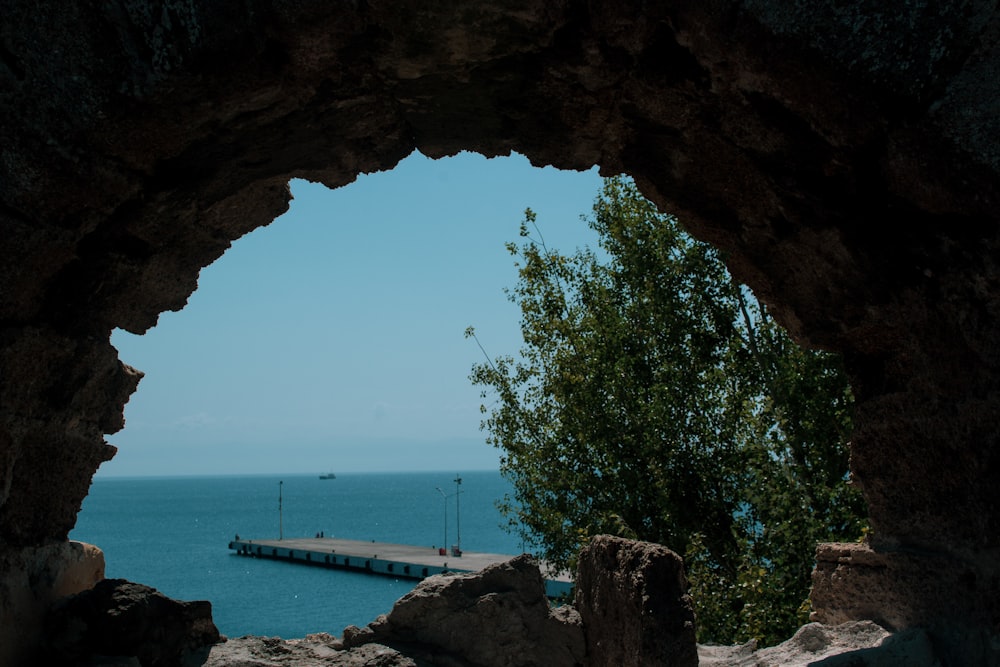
383, 558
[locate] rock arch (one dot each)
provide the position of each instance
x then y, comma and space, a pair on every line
846, 158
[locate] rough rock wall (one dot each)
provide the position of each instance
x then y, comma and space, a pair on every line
632, 598
845, 157
498, 617
31, 581
136, 624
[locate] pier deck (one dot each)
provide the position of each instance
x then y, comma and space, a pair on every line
384, 558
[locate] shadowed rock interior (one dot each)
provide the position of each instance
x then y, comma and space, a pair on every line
846, 159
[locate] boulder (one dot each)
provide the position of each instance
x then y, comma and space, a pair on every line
123, 619
31, 581
855, 644
315, 650
900, 590
498, 617
632, 597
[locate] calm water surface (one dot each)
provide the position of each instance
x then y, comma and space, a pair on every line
172, 534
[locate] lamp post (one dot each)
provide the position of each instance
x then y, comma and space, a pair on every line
281, 529
458, 517
445, 498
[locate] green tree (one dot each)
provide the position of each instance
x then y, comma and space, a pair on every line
655, 399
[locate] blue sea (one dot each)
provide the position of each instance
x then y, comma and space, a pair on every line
172, 534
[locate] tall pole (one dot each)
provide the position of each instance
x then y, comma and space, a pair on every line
444, 497
458, 520
281, 528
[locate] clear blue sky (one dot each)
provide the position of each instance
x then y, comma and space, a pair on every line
332, 339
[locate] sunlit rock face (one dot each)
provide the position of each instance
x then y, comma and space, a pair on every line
498, 617
845, 158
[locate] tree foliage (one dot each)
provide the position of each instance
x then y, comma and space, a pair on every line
654, 398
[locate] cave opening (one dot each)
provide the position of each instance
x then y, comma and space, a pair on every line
846, 159
331, 339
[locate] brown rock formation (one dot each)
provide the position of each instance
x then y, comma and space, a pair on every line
897, 590
632, 597
317, 650
854, 644
122, 619
31, 580
846, 158
495, 618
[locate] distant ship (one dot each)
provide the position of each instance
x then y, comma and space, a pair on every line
328, 475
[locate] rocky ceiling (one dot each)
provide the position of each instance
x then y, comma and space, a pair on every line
846, 156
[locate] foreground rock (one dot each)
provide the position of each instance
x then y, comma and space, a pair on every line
901, 590
858, 644
633, 611
31, 581
316, 650
122, 619
499, 617
632, 597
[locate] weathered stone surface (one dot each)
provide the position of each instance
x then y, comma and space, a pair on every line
120, 618
900, 590
31, 580
845, 157
498, 617
632, 597
857, 644
43, 449
318, 650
